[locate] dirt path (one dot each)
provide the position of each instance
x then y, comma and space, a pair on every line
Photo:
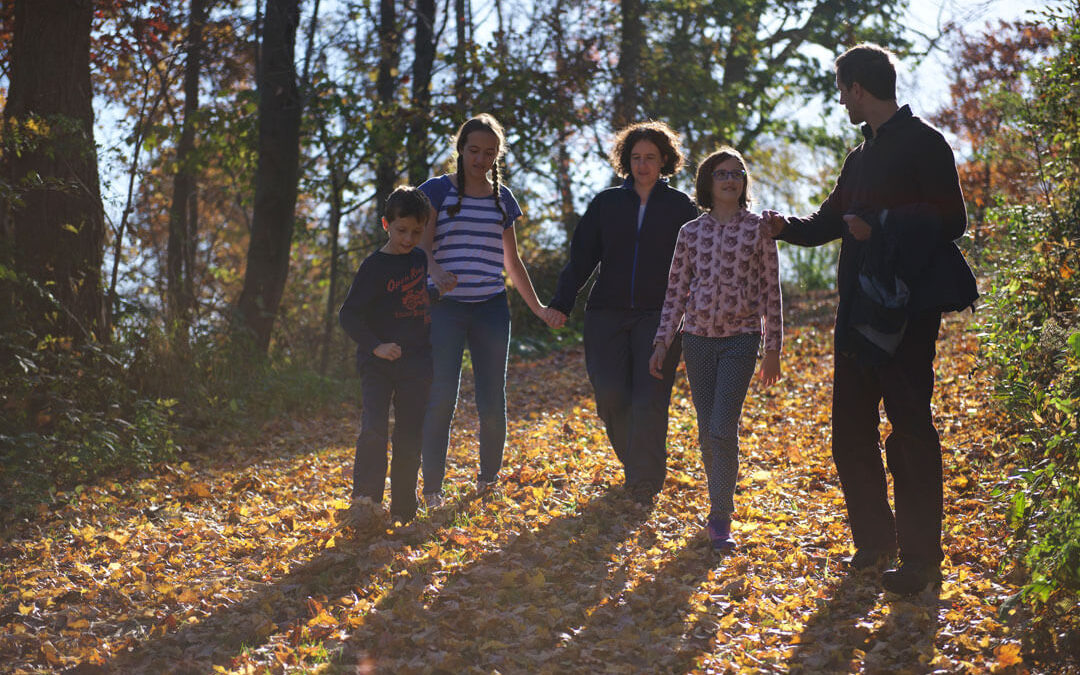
235, 562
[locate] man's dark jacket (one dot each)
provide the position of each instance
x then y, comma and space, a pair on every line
906, 167
633, 263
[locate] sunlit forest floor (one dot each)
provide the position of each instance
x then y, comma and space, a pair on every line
235, 561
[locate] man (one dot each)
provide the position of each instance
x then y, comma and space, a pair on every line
897, 207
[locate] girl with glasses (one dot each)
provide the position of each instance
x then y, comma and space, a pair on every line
723, 290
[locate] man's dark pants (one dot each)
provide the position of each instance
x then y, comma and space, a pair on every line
405, 384
632, 403
913, 451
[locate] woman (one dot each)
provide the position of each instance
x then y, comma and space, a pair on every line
724, 292
630, 232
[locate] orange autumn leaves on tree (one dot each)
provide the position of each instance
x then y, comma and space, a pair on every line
987, 84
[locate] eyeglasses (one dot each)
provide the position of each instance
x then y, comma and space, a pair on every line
724, 174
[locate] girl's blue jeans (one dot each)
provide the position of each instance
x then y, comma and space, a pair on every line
485, 328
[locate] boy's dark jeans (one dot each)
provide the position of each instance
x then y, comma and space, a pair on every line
405, 383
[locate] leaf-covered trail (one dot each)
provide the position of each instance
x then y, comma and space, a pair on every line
235, 562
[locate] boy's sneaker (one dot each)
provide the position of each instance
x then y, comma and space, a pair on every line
909, 579
434, 500
484, 487
719, 531
365, 516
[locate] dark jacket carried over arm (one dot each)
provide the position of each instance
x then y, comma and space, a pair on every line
633, 263
906, 163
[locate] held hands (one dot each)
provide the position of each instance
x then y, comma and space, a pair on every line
388, 351
858, 227
444, 281
770, 367
656, 361
551, 316
772, 223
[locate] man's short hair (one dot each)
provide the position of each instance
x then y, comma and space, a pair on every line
872, 66
407, 201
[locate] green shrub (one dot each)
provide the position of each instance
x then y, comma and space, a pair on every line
68, 414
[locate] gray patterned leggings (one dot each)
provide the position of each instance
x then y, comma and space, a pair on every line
719, 371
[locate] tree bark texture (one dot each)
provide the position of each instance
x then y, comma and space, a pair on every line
423, 64
184, 214
631, 42
461, 82
276, 176
56, 222
387, 131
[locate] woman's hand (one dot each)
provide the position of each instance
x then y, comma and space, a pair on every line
770, 367
656, 361
552, 317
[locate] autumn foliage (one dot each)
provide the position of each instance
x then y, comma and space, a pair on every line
235, 562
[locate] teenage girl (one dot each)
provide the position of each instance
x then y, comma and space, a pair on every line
724, 288
473, 241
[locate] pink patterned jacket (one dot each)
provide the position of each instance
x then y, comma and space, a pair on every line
724, 280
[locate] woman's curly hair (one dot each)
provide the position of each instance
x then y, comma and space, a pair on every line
659, 134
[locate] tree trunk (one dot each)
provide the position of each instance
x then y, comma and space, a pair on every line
631, 44
57, 226
276, 178
566, 195
461, 83
337, 189
184, 214
423, 63
387, 135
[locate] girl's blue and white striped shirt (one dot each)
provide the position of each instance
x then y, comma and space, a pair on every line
470, 243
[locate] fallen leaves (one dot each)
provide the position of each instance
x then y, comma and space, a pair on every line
241, 566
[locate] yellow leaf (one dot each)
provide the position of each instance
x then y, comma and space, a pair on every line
25, 609
120, 537
50, 653
1008, 655
187, 595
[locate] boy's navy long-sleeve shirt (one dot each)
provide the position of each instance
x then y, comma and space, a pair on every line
389, 301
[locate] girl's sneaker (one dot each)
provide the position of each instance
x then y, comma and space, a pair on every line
483, 487
433, 500
719, 531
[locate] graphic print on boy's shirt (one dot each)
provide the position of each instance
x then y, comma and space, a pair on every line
413, 294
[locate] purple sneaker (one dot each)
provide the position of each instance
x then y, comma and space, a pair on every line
719, 531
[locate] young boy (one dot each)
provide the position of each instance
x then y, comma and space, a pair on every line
387, 313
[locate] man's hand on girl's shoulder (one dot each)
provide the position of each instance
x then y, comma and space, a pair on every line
772, 223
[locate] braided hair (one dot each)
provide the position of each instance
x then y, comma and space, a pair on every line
486, 123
